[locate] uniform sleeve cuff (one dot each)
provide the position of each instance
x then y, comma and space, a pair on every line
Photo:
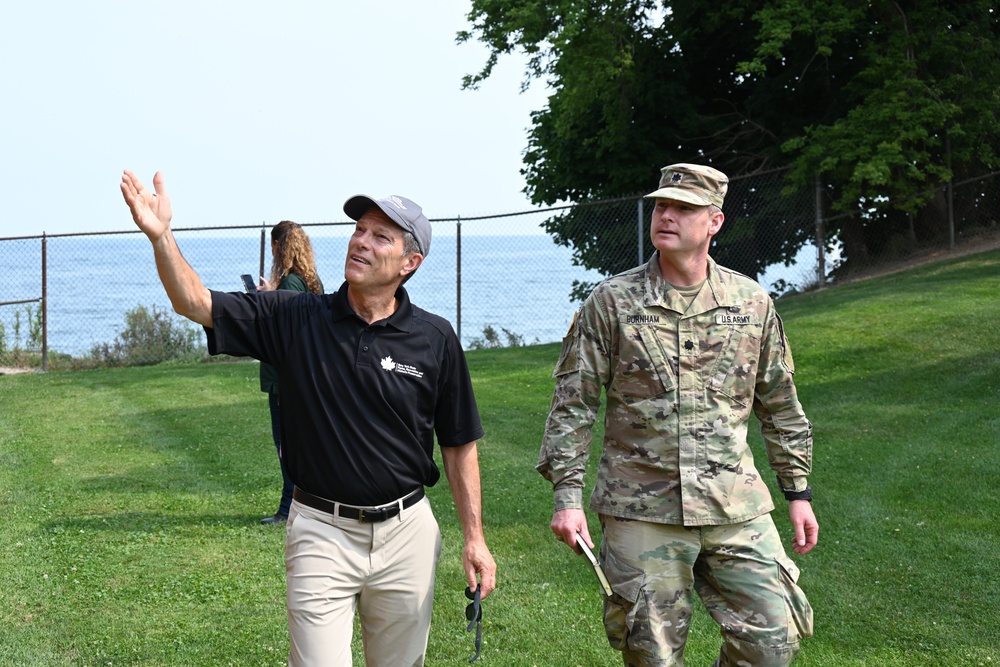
796, 488
787, 484
569, 498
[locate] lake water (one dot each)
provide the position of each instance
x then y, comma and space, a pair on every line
521, 283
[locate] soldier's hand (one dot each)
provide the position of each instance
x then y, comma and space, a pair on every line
567, 523
805, 525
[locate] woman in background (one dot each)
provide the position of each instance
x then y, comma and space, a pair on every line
293, 268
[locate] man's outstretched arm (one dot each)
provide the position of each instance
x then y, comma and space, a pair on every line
151, 212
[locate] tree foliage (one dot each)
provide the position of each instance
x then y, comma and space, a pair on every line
882, 102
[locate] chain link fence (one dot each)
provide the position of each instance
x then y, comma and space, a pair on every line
85, 300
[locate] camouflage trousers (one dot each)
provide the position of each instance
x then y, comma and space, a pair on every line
740, 571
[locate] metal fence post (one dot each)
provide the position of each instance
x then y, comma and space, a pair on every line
262, 243
45, 305
639, 230
950, 194
458, 278
820, 236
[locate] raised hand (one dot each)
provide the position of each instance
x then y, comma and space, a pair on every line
150, 210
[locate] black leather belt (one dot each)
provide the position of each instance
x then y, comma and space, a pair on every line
360, 514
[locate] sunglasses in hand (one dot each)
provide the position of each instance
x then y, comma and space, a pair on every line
474, 615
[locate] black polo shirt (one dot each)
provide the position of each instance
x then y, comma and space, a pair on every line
360, 403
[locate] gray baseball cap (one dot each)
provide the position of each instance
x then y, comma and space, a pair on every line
404, 212
692, 183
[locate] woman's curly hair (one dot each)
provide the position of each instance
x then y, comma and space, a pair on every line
293, 253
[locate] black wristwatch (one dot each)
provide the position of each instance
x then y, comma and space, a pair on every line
807, 494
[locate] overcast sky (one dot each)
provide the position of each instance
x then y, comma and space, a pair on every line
255, 111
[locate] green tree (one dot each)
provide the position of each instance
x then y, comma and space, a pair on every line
883, 101
924, 109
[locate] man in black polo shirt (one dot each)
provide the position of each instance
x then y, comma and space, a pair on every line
367, 380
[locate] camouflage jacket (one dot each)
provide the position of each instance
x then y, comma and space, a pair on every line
680, 383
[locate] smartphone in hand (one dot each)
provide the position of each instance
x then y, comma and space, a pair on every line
248, 284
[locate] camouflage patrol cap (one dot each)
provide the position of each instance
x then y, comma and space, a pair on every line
692, 183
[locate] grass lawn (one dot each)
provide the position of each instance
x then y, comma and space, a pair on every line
131, 497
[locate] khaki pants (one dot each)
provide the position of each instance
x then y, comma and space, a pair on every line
386, 569
740, 571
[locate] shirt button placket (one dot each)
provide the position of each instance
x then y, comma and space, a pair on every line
366, 339
687, 394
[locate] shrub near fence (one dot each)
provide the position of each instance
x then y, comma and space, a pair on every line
79, 300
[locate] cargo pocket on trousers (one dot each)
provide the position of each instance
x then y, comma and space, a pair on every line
620, 608
800, 613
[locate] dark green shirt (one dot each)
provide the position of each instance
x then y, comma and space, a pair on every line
268, 376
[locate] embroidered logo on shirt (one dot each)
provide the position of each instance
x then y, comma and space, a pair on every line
392, 367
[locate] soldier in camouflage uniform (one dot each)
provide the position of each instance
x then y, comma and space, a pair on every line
684, 350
